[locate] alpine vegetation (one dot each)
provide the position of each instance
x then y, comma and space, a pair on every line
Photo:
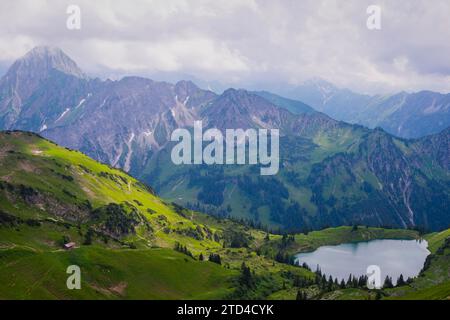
237, 142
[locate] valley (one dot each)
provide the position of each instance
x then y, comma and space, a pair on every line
331, 173
224, 159
130, 244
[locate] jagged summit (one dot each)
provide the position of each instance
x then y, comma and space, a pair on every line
42, 69
42, 59
43, 51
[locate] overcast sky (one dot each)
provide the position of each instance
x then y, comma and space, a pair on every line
244, 42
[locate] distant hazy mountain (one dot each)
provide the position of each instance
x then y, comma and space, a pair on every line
331, 172
407, 115
294, 106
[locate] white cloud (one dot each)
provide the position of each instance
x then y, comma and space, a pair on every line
243, 42
190, 54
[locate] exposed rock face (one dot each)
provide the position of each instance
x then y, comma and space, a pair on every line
38, 88
124, 122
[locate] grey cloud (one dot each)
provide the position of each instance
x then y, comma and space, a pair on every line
244, 42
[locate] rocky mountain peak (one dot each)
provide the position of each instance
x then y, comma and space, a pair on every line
39, 61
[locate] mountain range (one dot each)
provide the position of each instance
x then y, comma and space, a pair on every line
406, 115
331, 173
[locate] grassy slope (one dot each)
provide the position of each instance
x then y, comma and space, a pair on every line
335, 236
111, 274
434, 283
40, 164
436, 239
32, 264
36, 250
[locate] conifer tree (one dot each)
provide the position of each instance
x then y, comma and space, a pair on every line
246, 278
400, 281
388, 282
349, 281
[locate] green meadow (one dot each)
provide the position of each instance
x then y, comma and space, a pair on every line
131, 244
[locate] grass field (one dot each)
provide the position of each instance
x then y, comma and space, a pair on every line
334, 236
436, 239
111, 274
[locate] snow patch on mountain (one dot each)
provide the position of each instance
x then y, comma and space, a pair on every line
127, 164
44, 127
63, 114
432, 108
82, 101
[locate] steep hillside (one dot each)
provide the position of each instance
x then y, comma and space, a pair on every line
294, 106
46, 92
50, 195
130, 244
124, 235
124, 122
331, 173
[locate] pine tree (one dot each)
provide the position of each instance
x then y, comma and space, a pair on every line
388, 282
330, 283
301, 295
349, 281
318, 271
305, 266
215, 258
354, 282
400, 281
362, 281
323, 282
246, 278
88, 237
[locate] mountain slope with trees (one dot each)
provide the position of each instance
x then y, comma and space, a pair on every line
130, 244
331, 173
